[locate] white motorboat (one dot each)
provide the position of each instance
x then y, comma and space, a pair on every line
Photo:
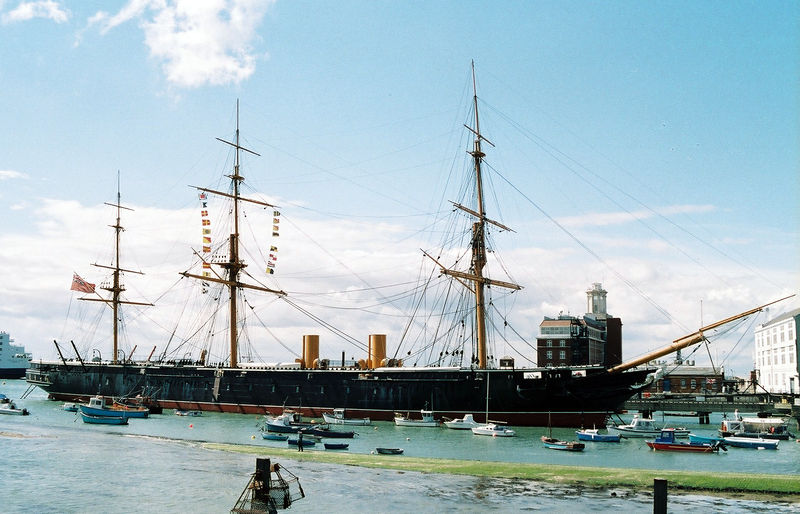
426, 421
493, 430
465, 423
338, 418
9, 407
643, 427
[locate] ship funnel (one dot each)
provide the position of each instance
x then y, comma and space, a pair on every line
310, 351
377, 350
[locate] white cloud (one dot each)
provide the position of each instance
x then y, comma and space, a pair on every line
11, 174
617, 218
47, 9
196, 42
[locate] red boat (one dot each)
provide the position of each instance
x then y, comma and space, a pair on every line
666, 442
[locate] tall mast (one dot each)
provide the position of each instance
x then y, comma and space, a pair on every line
116, 287
234, 265
479, 236
478, 241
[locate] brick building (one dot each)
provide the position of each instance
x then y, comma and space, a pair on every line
594, 338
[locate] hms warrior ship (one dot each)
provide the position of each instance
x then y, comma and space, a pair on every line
377, 386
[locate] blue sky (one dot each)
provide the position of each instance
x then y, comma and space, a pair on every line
663, 136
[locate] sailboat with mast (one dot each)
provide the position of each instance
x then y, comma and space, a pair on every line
375, 387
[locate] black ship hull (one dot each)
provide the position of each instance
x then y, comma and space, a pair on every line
560, 397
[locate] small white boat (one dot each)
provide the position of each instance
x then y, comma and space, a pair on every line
592, 434
426, 421
9, 407
465, 423
70, 407
179, 412
643, 427
338, 418
493, 430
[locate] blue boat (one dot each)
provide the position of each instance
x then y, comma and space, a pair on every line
103, 420
552, 443
270, 436
97, 407
336, 446
701, 439
752, 442
591, 434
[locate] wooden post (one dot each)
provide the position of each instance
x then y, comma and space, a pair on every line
261, 485
659, 496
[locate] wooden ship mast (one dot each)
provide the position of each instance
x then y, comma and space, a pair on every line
116, 287
229, 277
478, 244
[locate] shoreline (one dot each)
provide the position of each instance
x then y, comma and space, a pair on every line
782, 488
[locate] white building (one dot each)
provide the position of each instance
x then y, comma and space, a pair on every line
776, 353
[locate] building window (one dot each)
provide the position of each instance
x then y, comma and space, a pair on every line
549, 343
694, 384
549, 354
562, 343
562, 355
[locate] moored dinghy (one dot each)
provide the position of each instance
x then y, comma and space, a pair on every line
272, 436
389, 451
552, 443
104, 420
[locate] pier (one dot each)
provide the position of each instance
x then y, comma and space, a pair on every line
701, 406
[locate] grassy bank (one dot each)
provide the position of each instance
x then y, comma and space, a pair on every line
778, 487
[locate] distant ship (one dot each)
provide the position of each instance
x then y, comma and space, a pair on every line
13, 359
377, 386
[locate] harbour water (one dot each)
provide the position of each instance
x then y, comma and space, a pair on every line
52, 462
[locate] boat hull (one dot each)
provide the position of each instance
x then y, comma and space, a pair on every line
389, 451
518, 397
594, 436
555, 444
103, 420
750, 442
14, 412
682, 447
